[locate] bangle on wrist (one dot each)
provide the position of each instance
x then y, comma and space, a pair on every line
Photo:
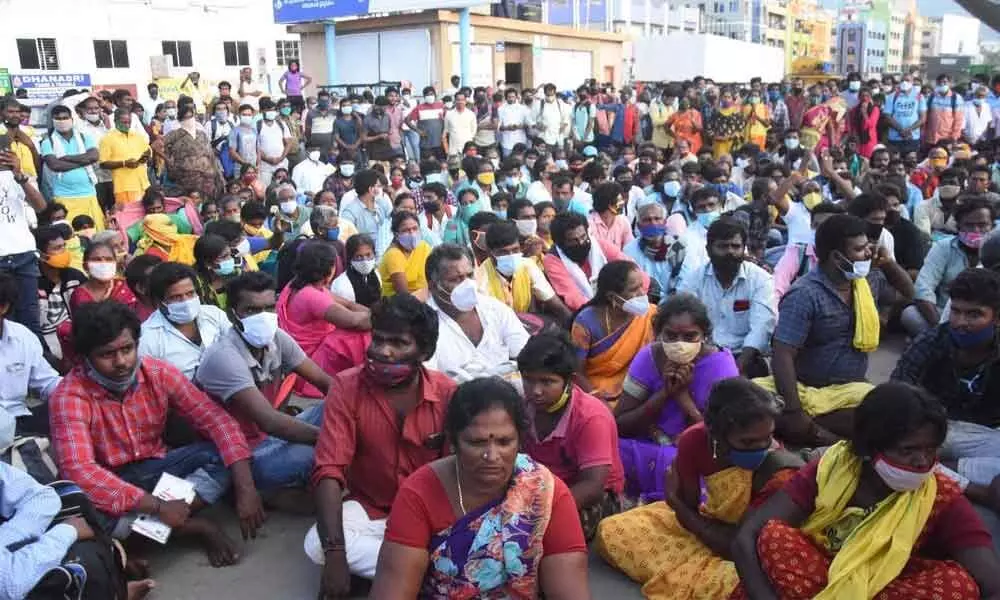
331, 546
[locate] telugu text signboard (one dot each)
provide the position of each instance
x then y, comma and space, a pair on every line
49, 86
305, 11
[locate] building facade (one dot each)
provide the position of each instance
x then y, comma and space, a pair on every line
956, 34
108, 43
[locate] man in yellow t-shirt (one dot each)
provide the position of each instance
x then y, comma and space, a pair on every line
21, 144
125, 154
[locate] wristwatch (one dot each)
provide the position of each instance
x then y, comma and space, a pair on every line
21, 179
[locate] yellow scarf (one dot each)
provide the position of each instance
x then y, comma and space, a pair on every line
517, 295
159, 230
866, 321
878, 549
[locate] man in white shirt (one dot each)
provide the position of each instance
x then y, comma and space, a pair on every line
739, 296
978, 117
22, 367
460, 126
309, 175
18, 256
513, 121
151, 101
477, 333
249, 91
553, 118
182, 327
274, 142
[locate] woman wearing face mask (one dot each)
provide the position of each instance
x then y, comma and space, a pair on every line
821, 123
612, 327
862, 123
863, 520
360, 282
679, 549
456, 231
402, 266
758, 120
726, 125
215, 266
686, 124
607, 220
333, 332
189, 160
666, 390
104, 282
56, 284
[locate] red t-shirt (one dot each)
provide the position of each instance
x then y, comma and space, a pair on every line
955, 528
586, 436
422, 509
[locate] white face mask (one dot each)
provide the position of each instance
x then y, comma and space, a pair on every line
449, 105
314, 156
526, 227
172, 113
637, 306
183, 312
899, 478
363, 265
509, 263
259, 329
905, 86
463, 297
430, 98
102, 271
246, 120
859, 269
63, 125
288, 206
92, 117
270, 115
347, 110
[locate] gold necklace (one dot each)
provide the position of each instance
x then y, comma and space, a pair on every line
458, 483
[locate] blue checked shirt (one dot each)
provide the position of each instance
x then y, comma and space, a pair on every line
813, 318
744, 314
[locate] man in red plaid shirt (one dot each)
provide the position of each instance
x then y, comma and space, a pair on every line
107, 421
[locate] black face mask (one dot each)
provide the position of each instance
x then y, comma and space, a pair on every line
727, 263
578, 254
892, 217
875, 231
432, 207
12, 123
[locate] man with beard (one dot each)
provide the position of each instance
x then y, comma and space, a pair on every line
383, 421
739, 296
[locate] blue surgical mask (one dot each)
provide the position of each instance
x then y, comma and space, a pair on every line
183, 312
117, 386
748, 459
672, 188
333, 234
226, 267
972, 339
435, 178
653, 231
408, 240
502, 213
706, 219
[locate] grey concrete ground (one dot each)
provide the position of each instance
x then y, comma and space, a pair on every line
274, 567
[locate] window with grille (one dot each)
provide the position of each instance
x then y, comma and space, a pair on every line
111, 54
38, 53
286, 51
237, 54
179, 52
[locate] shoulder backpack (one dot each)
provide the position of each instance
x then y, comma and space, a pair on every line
930, 104
221, 147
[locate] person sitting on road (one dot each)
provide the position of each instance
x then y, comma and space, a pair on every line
402, 266
478, 332
108, 418
243, 370
612, 327
658, 250
576, 258
871, 518
739, 296
945, 260
381, 422
679, 547
956, 361
572, 432
333, 332
828, 323
486, 489
515, 280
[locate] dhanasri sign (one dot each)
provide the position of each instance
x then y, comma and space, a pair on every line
49, 86
305, 11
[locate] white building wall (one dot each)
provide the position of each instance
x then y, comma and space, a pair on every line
144, 25
958, 34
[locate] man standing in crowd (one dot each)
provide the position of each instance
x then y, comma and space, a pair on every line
18, 257
70, 157
274, 142
427, 119
125, 154
459, 126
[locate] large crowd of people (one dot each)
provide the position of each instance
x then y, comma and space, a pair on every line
480, 332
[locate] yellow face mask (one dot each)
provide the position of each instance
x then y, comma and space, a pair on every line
486, 178
812, 199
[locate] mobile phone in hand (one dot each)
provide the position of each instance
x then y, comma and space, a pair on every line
4, 148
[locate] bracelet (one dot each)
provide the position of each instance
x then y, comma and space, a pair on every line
332, 547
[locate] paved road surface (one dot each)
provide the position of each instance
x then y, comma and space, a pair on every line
274, 566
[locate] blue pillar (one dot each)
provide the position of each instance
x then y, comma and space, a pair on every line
330, 37
464, 45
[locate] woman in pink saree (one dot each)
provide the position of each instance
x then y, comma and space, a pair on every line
333, 332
